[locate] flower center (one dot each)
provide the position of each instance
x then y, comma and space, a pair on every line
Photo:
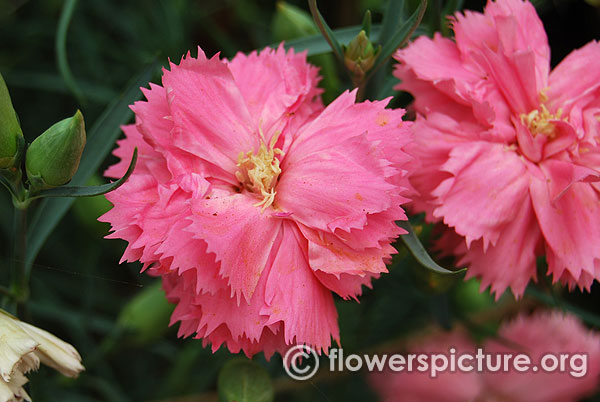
258, 172
538, 121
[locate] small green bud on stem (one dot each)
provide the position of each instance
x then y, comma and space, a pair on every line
53, 158
359, 56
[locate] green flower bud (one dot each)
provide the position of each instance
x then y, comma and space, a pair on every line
11, 136
53, 158
360, 55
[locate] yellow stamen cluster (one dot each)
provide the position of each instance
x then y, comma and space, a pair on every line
538, 121
259, 173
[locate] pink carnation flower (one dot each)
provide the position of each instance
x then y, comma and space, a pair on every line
536, 335
418, 386
254, 202
509, 150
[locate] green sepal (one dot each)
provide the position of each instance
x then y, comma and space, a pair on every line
88, 191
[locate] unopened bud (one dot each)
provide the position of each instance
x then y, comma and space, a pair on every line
360, 55
11, 136
53, 158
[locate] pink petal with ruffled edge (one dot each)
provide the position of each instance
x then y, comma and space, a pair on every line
435, 138
489, 181
333, 173
239, 234
575, 77
210, 116
512, 261
570, 224
274, 84
330, 254
149, 161
296, 298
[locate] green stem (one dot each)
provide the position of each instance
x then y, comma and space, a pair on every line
20, 279
362, 89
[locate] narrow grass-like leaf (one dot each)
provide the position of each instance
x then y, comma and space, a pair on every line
100, 141
392, 17
412, 242
326, 31
316, 44
401, 36
61, 50
89, 191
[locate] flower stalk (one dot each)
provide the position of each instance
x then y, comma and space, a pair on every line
19, 277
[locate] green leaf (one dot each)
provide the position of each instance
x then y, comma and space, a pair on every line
316, 44
412, 242
391, 19
401, 36
242, 380
326, 31
61, 49
89, 191
101, 140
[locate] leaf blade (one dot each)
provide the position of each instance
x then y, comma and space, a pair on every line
61, 50
414, 245
392, 17
401, 36
328, 34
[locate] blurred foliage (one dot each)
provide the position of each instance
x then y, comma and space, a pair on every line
114, 315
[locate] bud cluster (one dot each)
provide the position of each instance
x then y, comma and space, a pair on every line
51, 160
